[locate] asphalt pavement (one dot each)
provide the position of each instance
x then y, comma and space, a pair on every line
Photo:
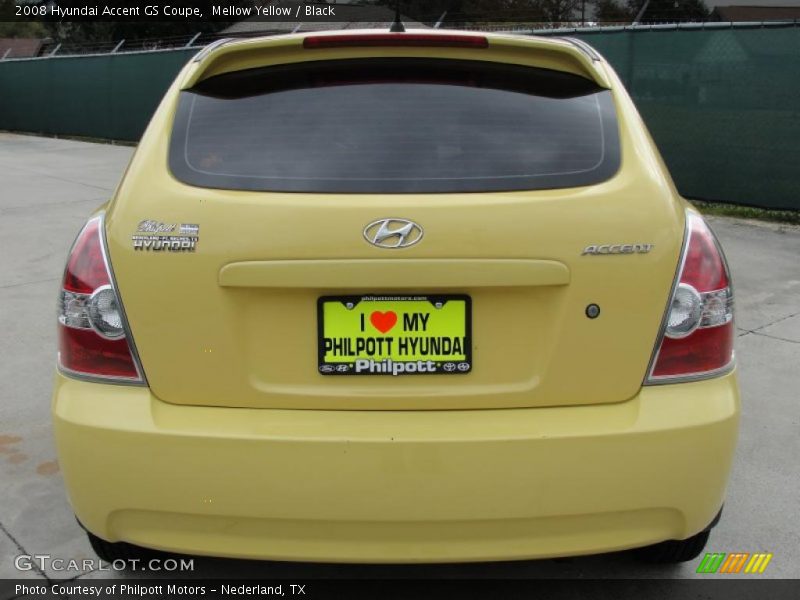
49, 186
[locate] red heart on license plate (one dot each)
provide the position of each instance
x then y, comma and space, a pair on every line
383, 321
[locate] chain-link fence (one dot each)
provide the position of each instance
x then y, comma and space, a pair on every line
722, 102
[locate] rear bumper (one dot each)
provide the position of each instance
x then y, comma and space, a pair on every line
396, 486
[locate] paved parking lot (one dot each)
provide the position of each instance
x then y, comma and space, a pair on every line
49, 186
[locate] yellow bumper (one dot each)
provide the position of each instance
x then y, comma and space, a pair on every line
396, 486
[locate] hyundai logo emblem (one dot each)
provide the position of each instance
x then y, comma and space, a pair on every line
393, 233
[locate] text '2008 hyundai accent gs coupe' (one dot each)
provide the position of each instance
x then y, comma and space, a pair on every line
396, 297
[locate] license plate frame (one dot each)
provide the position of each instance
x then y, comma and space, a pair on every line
395, 358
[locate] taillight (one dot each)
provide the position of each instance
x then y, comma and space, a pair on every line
350, 40
94, 341
696, 340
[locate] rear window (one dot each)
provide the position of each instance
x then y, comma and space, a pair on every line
394, 126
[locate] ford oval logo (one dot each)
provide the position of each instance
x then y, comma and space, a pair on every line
393, 233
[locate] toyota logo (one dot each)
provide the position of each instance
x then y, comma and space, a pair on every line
393, 233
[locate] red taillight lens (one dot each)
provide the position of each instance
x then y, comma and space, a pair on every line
83, 352
313, 42
86, 268
93, 341
698, 333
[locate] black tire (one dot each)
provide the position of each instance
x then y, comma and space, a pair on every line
674, 551
114, 551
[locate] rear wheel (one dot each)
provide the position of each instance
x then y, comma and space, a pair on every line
115, 551
675, 551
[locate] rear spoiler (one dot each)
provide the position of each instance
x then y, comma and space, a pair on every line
560, 54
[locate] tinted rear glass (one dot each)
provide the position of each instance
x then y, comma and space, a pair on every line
395, 126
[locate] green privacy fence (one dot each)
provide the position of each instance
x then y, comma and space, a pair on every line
723, 103
105, 96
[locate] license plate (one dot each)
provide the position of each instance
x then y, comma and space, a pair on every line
394, 335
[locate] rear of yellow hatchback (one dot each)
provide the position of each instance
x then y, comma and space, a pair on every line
396, 297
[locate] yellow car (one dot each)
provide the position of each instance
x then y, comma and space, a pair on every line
396, 297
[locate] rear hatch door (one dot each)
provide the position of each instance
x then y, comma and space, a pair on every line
527, 199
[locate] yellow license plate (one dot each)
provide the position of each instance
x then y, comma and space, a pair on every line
394, 335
